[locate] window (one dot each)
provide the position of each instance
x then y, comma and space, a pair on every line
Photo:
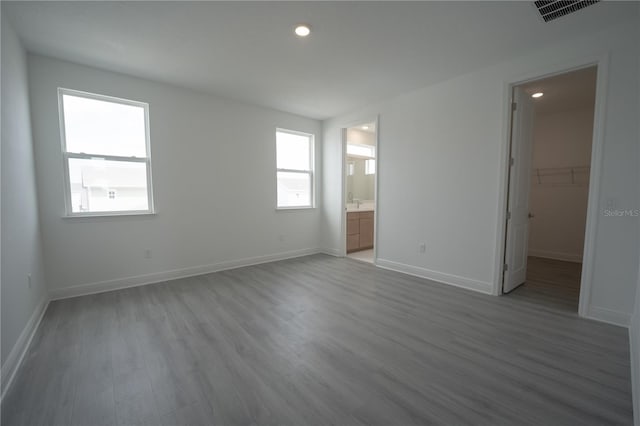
105, 145
294, 163
358, 150
370, 167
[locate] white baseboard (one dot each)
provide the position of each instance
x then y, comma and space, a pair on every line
332, 252
454, 280
19, 350
135, 281
567, 257
609, 316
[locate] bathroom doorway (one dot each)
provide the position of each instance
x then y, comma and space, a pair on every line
360, 183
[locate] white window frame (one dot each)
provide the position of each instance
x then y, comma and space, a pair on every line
66, 155
310, 172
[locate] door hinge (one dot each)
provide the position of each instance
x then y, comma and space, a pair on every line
505, 267
508, 215
514, 106
512, 161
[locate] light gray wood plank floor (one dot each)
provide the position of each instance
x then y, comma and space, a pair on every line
318, 340
551, 283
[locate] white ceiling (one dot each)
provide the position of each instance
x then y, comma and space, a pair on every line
358, 52
564, 92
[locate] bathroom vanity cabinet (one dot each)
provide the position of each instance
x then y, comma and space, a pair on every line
359, 231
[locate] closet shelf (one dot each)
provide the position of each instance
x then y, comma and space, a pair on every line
561, 176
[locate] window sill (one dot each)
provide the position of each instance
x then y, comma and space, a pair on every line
286, 209
98, 215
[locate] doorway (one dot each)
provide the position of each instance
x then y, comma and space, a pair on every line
551, 150
360, 184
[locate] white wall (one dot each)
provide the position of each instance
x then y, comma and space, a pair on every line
560, 140
214, 186
21, 242
440, 163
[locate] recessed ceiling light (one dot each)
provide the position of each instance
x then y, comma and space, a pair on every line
537, 95
302, 30
365, 127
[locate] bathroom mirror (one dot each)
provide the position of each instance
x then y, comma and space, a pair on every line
360, 173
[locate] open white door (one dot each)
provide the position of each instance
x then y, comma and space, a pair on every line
517, 240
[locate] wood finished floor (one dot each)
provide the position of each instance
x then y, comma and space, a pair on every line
318, 340
552, 284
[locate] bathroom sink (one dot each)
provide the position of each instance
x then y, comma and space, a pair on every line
362, 208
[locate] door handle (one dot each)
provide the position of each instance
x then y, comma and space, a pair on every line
531, 216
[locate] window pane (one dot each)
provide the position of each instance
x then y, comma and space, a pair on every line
361, 150
370, 167
294, 189
99, 127
103, 185
293, 151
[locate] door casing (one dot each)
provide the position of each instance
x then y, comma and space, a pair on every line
602, 64
343, 202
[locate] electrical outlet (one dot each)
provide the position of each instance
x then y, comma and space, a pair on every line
147, 254
422, 247
29, 280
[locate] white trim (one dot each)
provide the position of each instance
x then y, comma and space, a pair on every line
634, 355
284, 209
311, 172
602, 63
343, 176
88, 156
503, 190
139, 280
376, 215
595, 178
100, 97
454, 280
66, 155
634, 342
609, 316
16, 356
97, 215
332, 252
557, 255
343, 192
634, 349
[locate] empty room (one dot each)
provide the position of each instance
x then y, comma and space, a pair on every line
310, 213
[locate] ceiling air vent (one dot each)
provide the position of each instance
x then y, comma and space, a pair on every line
552, 9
